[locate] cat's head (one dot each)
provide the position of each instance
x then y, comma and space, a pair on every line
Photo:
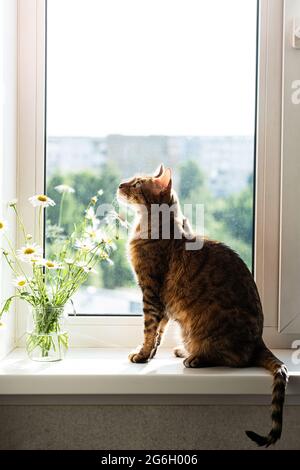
154, 189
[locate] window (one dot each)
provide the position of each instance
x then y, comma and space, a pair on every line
217, 70
133, 83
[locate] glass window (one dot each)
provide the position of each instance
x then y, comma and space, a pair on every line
133, 83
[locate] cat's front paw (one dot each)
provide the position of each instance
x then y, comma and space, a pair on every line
138, 357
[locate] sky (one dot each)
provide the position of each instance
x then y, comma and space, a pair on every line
151, 67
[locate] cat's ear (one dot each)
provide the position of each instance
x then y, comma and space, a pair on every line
159, 171
164, 181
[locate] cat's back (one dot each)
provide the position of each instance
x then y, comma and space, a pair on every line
214, 273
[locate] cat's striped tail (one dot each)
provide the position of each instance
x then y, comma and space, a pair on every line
266, 359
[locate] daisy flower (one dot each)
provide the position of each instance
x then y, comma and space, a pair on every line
30, 252
91, 270
36, 259
110, 244
49, 264
20, 282
41, 200
113, 216
3, 226
90, 214
85, 245
64, 188
80, 264
85, 268
95, 234
13, 203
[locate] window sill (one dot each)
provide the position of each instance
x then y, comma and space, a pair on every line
108, 372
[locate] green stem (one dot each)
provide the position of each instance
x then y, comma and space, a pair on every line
20, 221
40, 223
9, 262
16, 258
61, 209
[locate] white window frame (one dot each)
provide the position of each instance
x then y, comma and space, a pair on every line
125, 331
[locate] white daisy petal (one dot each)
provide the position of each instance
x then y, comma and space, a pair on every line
13, 202
95, 234
64, 188
30, 253
3, 226
90, 214
20, 282
50, 264
85, 245
87, 269
41, 200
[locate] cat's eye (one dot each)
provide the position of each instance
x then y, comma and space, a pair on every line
136, 185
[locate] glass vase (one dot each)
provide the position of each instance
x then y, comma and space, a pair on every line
47, 339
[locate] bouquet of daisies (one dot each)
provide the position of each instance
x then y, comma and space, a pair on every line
47, 284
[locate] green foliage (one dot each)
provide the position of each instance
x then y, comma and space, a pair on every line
191, 179
230, 219
119, 274
237, 214
85, 183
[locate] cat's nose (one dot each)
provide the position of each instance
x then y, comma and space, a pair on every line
121, 185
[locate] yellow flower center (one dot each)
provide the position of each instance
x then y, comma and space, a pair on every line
21, 283
1, 225
49, 264
29, 251
42, 198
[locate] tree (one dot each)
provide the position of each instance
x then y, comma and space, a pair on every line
86, 185
119, 274
230, 219
237, 213
191, 179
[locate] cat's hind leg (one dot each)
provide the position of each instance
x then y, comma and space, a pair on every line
180, 352
199, 360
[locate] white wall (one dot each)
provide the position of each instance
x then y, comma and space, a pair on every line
8, 146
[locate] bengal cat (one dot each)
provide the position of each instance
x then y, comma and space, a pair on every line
209, 292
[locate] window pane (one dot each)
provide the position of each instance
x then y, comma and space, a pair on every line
133, 83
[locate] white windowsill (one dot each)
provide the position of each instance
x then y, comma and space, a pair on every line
108, 372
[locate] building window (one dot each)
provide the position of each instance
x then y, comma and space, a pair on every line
133, 83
